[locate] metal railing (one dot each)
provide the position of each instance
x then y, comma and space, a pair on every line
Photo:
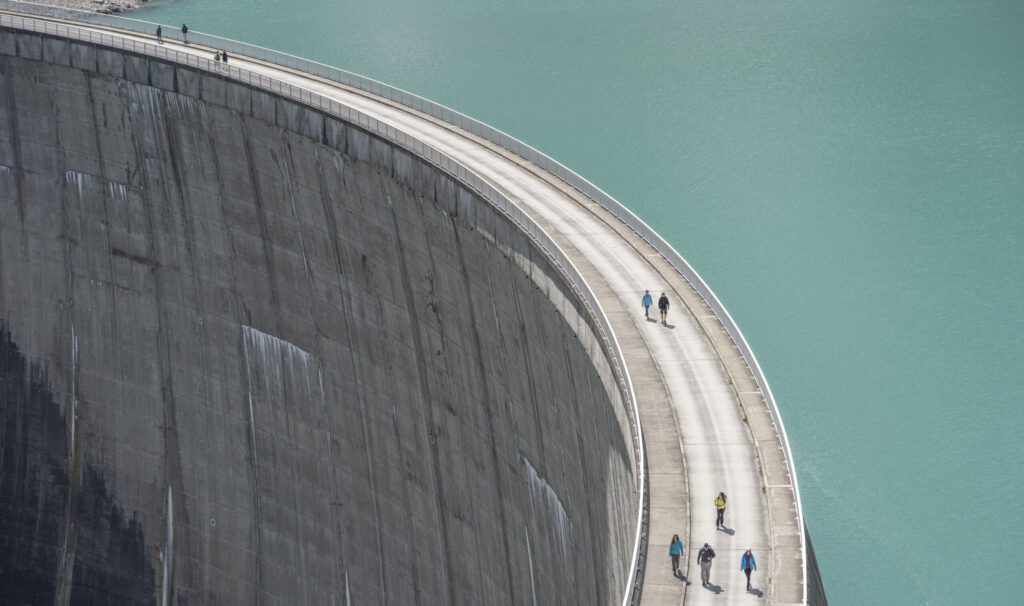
461, 173
496, 137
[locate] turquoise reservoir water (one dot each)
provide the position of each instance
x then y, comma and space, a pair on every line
849, 178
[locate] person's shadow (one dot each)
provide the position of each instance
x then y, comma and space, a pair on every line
682, 577
728, 531
649, 319
670, 326
713, 587
755, 592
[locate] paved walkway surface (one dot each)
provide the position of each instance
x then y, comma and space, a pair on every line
705, 424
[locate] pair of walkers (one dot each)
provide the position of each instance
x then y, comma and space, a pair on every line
647, 300
706, 555
160, 33
220, 56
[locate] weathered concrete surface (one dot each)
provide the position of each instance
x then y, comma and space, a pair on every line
252, 355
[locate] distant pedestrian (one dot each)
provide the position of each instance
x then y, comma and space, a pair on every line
704, 557
663, 308
216, 56
159, 35
184, 33
224, 56
720, 508
675, 550
747, 564
646, 302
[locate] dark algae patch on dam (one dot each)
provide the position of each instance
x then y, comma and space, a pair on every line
109, 561
33, 482
255, 355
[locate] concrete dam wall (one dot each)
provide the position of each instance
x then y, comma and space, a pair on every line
251, 354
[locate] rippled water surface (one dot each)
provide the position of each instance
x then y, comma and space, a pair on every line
849, 178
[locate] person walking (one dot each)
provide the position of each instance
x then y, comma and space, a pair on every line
747, 564
720, 508
646, 302
675, 550
224, 56
663, 307
159, 35
704, 557
184, 33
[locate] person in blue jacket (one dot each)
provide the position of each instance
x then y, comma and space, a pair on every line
747, 565
647, 301
675, 550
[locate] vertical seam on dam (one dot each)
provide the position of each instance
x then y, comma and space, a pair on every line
332, 504
339, 550
286, 165
65, 582
344, 293
12, 117
446, 342
529, 376
425, 401
172, 447
488, 400
257, 199
408, 502
574, 391
255, 466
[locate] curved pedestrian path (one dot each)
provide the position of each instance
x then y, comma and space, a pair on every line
706, 426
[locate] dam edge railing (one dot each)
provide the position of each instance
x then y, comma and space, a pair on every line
515, 146
446, 164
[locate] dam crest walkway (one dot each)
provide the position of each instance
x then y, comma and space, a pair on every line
708, 426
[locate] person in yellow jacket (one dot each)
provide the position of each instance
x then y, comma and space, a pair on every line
720, 506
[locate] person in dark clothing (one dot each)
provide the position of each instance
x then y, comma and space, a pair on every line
159, 35
663, 308
747, 564
184, 33
704, 557
224, 56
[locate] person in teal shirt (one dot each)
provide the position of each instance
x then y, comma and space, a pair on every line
647, 301
675, 549
747, 564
